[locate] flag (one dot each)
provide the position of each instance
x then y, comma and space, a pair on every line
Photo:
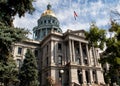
75, 15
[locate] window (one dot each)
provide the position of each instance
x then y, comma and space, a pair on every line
59, 75
53, 21
41, 22
78, 60
77, 51
19, 50
19, 63
60, 60
59, 46
45, 21
85, 61
36, 53
47, 49
47, 61
49, 21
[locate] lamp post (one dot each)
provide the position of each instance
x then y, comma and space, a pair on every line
61, 72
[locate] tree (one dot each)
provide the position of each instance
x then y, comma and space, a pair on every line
8, 69
10, 8
111, 55
8, 72
96, 37
29, 73
10, 35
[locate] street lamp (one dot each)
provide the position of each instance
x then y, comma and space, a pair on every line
61, 72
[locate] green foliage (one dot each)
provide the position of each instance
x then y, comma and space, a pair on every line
96, 37
9, 8
111, 54
29, 72
8, 71
9, 36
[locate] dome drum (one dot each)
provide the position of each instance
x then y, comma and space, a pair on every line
48, 20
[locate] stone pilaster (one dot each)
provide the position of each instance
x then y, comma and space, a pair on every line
74, 76
55, 52
100, 78
52, 53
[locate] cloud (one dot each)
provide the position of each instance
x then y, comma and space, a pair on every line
87, 10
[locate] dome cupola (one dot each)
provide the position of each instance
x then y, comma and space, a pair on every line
47, 22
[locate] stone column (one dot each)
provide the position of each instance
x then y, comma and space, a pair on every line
97, 57
94, 56
70, 54
81, 53
88, 56
91, 57
73, 51
84, 77
91, 77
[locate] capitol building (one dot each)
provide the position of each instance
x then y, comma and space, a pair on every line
64, 59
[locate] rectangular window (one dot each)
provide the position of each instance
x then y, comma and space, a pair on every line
47, 49
19, 63
59, 46
19, 50
36, 53
49, 21
77, 51
47, 61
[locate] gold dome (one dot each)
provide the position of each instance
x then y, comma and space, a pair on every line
48, 11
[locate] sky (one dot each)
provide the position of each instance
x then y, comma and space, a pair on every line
98, 11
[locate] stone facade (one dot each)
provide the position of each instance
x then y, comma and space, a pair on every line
69, 52
63, 58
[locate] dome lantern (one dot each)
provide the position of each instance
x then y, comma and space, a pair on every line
48, 7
